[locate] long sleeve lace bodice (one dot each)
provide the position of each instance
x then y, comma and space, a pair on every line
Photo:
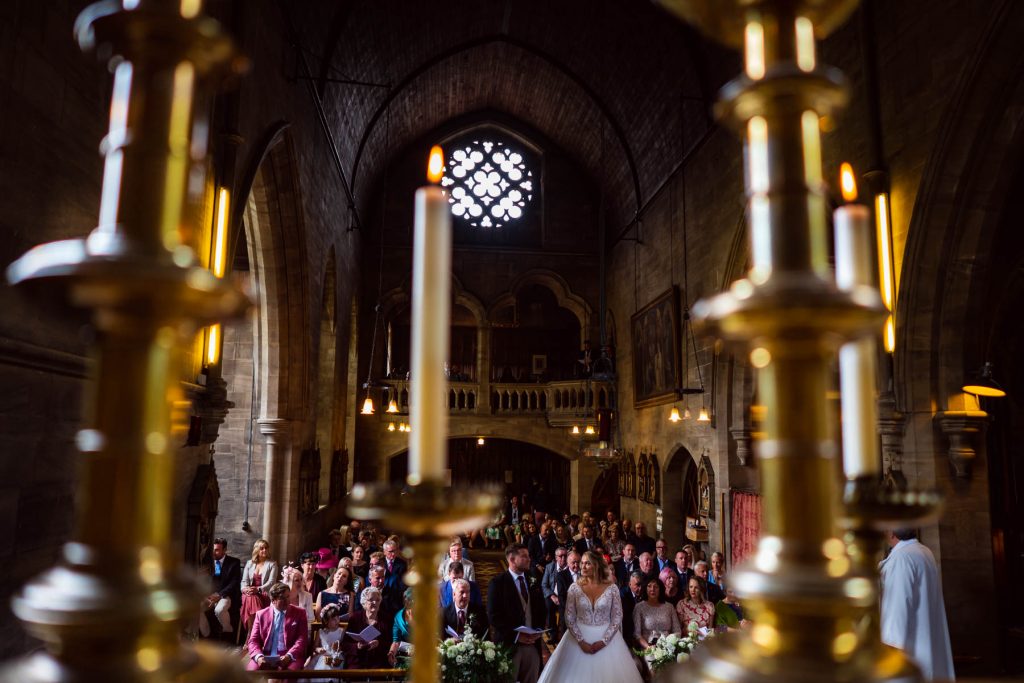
606, 611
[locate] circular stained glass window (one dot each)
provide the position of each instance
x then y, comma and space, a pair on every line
489, 183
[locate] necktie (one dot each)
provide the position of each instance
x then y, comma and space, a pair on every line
216, 568
390, 566
275, 633
522, 590
462, 621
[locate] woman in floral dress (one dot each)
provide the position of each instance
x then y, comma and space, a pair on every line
696, 608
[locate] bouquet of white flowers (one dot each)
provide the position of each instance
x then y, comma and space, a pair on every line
671, 648
473, 660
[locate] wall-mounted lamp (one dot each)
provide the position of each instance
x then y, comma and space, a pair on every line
982, 383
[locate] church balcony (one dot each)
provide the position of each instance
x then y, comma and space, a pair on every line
560, 404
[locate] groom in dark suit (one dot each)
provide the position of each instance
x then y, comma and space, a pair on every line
512, 602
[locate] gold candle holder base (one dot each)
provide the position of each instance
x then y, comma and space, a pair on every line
428, 515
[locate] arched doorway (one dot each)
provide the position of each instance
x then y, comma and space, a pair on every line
521, 468
680, 496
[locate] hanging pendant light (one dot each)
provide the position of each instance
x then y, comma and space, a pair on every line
367, 405
589, 431
674, 416
687, 415
575, 430
391, 426
392, 406
982, 383
703, 416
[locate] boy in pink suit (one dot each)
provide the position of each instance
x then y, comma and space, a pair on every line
278, 631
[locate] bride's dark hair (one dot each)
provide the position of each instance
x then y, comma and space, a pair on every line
602, 572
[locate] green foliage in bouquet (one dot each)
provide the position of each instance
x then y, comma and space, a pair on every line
474, 660
671, 649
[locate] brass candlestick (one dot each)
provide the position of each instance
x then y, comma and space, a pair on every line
114, 606
812, 606
428, 515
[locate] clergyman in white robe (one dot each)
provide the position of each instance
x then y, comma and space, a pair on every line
913, 612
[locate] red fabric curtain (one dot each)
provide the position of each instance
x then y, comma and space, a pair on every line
746, 525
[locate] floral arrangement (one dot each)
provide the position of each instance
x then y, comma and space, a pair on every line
473, 660
671, 648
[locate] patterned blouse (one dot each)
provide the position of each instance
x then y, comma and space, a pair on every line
702, 614
607, 610
661, 619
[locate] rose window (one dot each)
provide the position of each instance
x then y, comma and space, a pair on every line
489, 184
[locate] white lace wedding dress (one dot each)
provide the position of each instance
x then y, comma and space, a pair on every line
591, 622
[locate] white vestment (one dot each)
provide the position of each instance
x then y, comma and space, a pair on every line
913, 612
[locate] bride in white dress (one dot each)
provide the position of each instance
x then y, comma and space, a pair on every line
592, 649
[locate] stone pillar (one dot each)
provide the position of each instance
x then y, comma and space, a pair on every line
891, 427
277, 433
483, 368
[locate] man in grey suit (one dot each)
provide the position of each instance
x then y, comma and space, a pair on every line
551, 599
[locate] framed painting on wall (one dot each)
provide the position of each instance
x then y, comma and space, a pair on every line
655, 331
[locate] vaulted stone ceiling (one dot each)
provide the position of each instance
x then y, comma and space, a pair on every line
620, 85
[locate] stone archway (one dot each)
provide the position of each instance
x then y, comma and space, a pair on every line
679, 495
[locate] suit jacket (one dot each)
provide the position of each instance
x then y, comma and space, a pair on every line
562, 582
628, 603
547, 583
295, 633
715, 593
505, 611
580, 546
474, 594
476, 619
507, 512
229, 584
622, 571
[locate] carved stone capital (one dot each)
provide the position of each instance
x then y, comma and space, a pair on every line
744, 453
964, 429
276, 430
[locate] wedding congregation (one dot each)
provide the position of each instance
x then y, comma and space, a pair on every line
560, 597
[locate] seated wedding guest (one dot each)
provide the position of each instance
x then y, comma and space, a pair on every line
626, 565
461, 613
357, 581
326, 562
312, 582
224, 603
279, 634
716, 569
647, 567
455, 555
298, 595
691, 552
614, 544
643, 542
587, 540
695, 608
372, 654
327, 648
563, 539
367, 539
336, 543
729, 612
627, 530
456, 571
360, 566
630, 595
661, 558
259, 575
338, 593
401, 630
713, 592
394, 566
682, 568
670, 580
654, 617
511, 519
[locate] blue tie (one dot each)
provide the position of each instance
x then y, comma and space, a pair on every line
216, 568
275, 633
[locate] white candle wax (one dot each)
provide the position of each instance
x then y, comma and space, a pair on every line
431, 315
857, 359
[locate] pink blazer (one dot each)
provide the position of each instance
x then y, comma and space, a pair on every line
295, 633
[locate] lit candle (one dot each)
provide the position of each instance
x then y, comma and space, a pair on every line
857, 359
431, 313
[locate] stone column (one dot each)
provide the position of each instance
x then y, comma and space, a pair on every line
277, 433
891, 427
483, 368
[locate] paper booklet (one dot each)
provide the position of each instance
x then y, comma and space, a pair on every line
452, 632
530, 631
364, 636
405, 649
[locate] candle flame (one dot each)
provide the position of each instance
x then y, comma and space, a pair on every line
436, 164
847, 182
